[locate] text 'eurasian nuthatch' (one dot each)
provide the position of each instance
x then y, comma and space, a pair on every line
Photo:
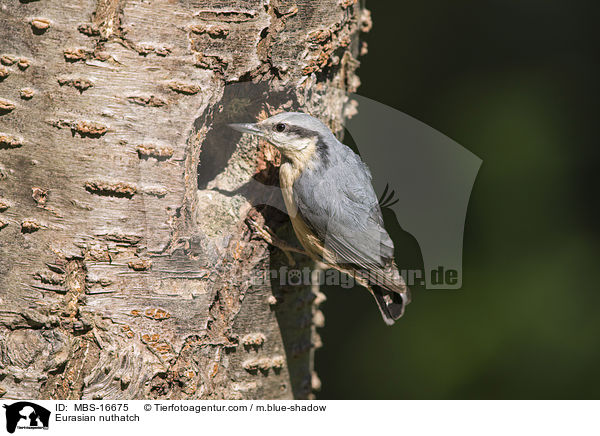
332, 205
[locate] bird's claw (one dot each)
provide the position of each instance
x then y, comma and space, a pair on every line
267, 234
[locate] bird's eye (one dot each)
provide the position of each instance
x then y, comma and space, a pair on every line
280, 127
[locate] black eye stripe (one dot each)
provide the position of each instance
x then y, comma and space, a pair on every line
301, 131
296, 130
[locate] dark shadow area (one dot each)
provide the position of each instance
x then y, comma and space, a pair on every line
241, 103
293, 311
514, 83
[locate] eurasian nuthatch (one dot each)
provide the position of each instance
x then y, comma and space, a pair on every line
332, 205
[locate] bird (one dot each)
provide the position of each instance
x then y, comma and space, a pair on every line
335, 213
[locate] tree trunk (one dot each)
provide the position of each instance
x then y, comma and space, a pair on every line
127, 266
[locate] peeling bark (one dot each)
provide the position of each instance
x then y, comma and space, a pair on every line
127, 269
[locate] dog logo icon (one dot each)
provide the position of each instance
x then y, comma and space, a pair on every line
26, 415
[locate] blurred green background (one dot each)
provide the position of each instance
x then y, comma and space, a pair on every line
515, 82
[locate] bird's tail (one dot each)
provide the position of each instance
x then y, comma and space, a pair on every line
391, 304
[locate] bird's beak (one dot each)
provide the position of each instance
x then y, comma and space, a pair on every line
250, 128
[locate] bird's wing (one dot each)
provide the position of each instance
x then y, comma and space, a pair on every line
341, 207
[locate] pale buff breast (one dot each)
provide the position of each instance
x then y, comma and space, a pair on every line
311, 243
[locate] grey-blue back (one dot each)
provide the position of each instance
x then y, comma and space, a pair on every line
336, 199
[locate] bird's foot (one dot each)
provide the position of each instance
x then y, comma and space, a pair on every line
271, 238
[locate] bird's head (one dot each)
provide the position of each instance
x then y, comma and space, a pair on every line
295, 134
